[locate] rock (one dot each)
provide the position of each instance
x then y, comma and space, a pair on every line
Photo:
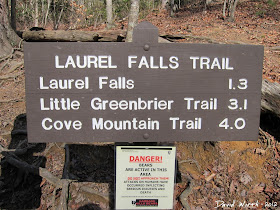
245, 178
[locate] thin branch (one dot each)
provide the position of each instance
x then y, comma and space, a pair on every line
184, 195
7, 56
5, 64
63, 202
44, 173
11, 76
190, 160
11, 101
95, 192
19, 151
13, 68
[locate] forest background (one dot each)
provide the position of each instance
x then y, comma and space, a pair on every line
77, 14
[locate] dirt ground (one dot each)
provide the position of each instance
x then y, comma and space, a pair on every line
208, 172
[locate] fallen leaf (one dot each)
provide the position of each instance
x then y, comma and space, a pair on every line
196, 188
210, 177
233, 186
269, 190
43, 182
230, 168
257, 189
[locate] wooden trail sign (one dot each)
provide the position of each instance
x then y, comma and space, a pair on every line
142, 91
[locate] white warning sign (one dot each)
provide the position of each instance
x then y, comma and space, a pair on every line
145, 177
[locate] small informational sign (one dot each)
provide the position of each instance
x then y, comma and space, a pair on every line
142, 91
145, 177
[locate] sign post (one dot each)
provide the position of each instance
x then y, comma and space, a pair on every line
142, 91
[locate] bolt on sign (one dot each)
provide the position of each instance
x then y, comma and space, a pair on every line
147, 177
142, 91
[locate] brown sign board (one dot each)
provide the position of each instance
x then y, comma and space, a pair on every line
142, 91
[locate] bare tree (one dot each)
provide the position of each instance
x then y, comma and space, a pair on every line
7, 34
58, 9
170, 6
109, 12
36, 19
132, 19
232, 10
47, 13
229, 9
173, 8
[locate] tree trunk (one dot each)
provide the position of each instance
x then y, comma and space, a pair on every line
271, 97
270, 115
57, 22
47, 13
7, 34
36, 19
13, 15
109, 10
232, 10
42, 12
132, 19
74, 36
172, 8
164, 4
224, 9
